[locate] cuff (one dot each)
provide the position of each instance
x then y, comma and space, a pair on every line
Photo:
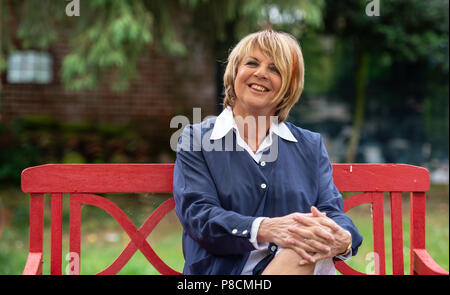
344, 257
254, 234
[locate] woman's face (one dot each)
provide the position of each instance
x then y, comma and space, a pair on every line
257, 83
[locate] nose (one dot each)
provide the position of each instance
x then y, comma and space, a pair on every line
261, 72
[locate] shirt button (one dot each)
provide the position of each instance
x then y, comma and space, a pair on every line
263, 185
263, 163
234, 231
244, 232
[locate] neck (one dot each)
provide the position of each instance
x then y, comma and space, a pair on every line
253, 127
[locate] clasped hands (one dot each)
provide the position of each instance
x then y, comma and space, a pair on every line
313, 236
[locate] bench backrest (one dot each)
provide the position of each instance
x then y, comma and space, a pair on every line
84, 181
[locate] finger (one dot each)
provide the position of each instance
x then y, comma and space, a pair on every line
324, 235
318, 246
310, 234
304, 219
316, 212
328, 222
301, 233
302, 244
305, 256
302, 249
312, 242
320, 256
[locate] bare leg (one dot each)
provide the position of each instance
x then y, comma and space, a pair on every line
287, 263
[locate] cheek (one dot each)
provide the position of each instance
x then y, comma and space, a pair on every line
276, 83
240, 81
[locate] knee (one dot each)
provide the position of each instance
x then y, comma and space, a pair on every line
287, 262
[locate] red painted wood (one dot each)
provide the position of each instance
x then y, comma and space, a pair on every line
74, 264
356, 200
137, 236
397, 233
378, 233
35, 256
145, 229
56, 238
380, 178
376, 202
417, 229
82, 180
34, 263
345, 269
36, 222
117, 178
98, 178
425, 265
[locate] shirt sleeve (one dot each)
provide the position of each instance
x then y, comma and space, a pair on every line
220, 231
330, 200
254, 234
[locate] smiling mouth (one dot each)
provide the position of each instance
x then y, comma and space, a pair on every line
258, 88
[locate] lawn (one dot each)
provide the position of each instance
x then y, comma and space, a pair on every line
103, 239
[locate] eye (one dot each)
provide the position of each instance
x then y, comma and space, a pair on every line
251, 63
275, 70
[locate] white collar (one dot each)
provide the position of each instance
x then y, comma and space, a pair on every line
225, 122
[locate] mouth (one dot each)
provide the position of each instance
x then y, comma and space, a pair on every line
258, 88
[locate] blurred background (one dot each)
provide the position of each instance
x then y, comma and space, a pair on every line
98, 81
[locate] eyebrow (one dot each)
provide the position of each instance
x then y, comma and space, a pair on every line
258, 59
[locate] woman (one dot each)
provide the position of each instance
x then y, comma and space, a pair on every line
253, 192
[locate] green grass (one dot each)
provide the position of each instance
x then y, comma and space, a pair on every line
103, 239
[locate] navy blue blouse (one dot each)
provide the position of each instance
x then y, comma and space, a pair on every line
220, 191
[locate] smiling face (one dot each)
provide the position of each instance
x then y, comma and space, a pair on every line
256, 84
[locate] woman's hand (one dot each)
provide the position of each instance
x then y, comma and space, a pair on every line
315, 229
280, 230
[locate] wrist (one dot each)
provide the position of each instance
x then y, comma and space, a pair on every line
265, 230
349, 245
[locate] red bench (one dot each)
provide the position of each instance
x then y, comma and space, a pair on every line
84, 181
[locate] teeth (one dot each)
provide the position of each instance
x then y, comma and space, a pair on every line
257, 87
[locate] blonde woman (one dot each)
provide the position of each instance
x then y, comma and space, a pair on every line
255, 193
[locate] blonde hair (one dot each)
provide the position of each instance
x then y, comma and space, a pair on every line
284, 50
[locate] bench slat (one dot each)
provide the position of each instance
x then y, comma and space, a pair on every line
56, 234
158, 178
397, 233
98, 178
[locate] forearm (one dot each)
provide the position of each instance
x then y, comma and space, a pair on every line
219, 231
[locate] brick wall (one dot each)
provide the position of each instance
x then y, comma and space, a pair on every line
167, 86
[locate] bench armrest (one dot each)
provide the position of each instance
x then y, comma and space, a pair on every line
425, 265
34, 264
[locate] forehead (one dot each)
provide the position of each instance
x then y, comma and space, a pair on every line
256, 52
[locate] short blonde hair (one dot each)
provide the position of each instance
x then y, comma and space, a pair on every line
284, 50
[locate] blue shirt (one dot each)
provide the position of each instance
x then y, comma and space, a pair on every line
220, 190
